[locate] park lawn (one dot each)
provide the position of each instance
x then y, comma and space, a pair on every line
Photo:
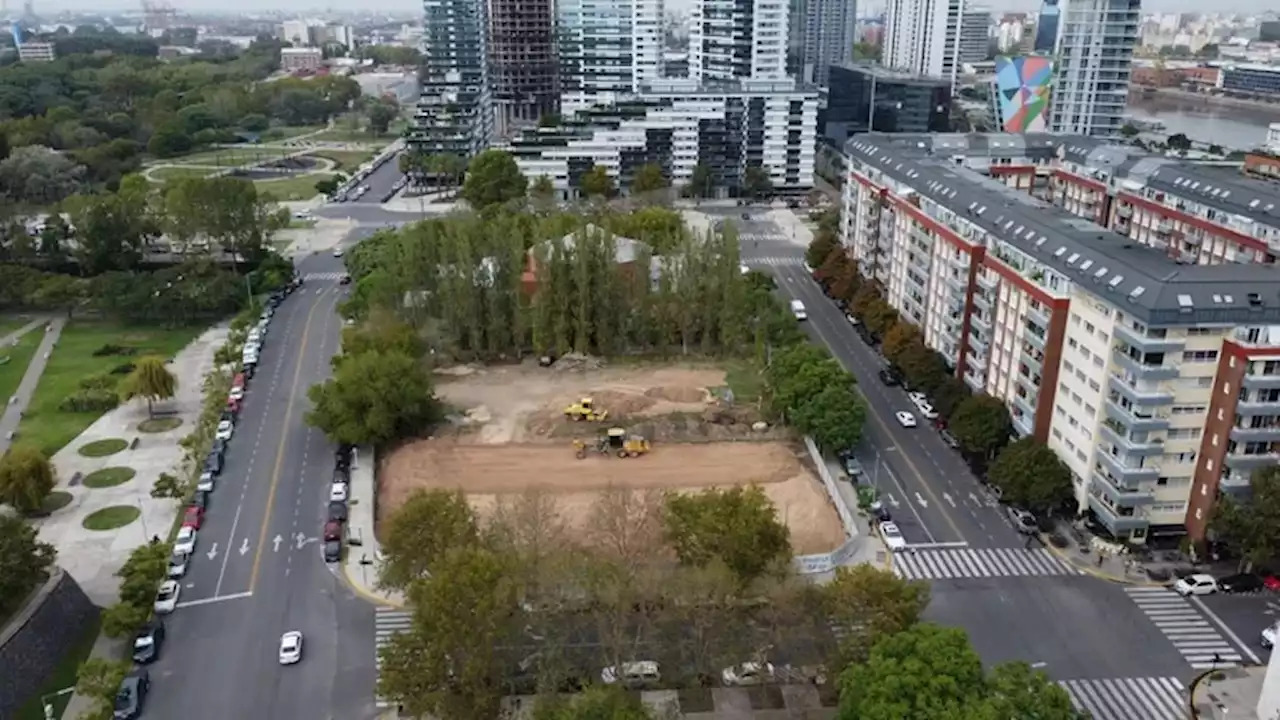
19, 358
301, 187
232, 157
284, 132
346, 135
169, 174
64, 676
13, 323
49, 428
348, 161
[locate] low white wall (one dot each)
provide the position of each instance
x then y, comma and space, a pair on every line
826, 562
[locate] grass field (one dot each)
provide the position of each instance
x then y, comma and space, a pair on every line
350, 135
284, 132
347, 161
49, 428
19, 358
170, 174
10, 324
302, 187
64, 676
232, 157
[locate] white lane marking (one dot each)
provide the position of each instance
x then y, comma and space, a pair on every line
215, 599
1226, 630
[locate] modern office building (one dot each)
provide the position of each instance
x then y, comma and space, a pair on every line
975, 34
866, 97
679, 125
1269, 31
922, 37
524, 76
1156, 381
455, 110
822, 34
1046, 37
37, 52
1095, 52
1251, 79
607, 49
301, 59
734, 39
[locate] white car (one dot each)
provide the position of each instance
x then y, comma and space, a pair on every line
1198, 584
927, 411
178, 565
290, 647
748, 673
905, 419
892, 536
742, 268
338, 492
917, 398
1269, 635
225, 428
167, 597
633, 674
337, 252
206, 482
237, 393
186, 540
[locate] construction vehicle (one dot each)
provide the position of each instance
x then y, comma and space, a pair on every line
585, 409
614, 441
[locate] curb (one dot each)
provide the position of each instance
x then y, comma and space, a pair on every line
1098, 573
366, 595
1192, 712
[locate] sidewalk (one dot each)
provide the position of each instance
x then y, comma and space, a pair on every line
872, 549
360, 565
22, 396
104, 647
1235, 696
1108, 561
326, 234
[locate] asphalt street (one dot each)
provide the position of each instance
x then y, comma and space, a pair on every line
1245, 616
265, 576
933, 496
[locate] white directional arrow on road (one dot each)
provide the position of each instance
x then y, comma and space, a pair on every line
920, 500
302, 540
244, 547
275, 541
892, 500
947, 497
975, 499
213, 551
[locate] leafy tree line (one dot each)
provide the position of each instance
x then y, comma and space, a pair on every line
25, 562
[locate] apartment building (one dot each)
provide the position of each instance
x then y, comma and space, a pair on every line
1157, 382
1094, 54
454, 114
923, 37
732, 39
523, 72
607, 50
822, 33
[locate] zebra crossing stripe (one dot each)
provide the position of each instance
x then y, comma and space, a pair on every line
1191, 634
387, 622
1159, 698
977, 563
323, 276
775, 261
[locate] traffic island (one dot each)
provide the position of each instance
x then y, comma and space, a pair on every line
159, 425
103, 448
111, 517
108, 477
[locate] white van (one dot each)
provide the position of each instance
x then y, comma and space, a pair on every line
797, 309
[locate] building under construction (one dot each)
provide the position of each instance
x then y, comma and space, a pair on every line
523, 68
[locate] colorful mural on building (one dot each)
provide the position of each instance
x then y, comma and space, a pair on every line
1022, 92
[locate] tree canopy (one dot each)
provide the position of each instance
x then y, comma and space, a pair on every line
597, 183
373, 398
981, 424
420, 532
1251, 527
24, 562
150, 380
493, 179
26, 478
738, 527
1030, 475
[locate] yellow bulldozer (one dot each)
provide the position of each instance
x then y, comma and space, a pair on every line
585, 409
614, 441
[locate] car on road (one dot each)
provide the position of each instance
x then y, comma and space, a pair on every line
1269, 635
178, 565
927, 411
205, 483
345, 279
337, 511
880, 512
905, 419
332, 531
889, 377
798, 310
854, 470
186, 541
1198, 584
1023, 521
236, 394
892, 536
1240, 583
167, 597
852, 320
200, 499
333, 551
747, 673
213, 463
949, 439
147, 642
640, 673
233, 406
193, 518
337, 492
225, 428
290, 647
917, 397
131, 696
337, 252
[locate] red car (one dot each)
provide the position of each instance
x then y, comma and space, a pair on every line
332, 530
193, 518
233, 405
238, 381
1271, 582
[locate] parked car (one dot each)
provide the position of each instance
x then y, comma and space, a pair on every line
1023, 521
892, 536
1269, 635
949, 439
889, 377
147, 642
747, 673
132, 695
167, 597
1198, 584
638, 674
1240, 583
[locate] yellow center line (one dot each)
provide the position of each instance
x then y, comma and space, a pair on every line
284, 436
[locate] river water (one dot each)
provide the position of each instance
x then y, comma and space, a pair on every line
1231, 126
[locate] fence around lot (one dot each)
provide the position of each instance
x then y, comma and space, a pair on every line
826, 562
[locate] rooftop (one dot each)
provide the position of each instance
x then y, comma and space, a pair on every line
1144, 281
883, 73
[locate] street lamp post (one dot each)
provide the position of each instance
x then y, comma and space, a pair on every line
45, 700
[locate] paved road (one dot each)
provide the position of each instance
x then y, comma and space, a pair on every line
30, 378
240, 595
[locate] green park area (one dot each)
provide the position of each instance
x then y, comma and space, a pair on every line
296, 187
173, 173
345, 161
233, 157
89, 353
14, 360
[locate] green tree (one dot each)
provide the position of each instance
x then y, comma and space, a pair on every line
870, 604
374, 398
168, 486
701, 182
543, 191
821, 248
900, 336
1015, 690
421, 531
923, 368
948, 396
122, 619
492, 179
649, 178
981, 424
925, 672
1030, 475
99, 680
329, 185
1179, 142
833, 418
756, 182
1251, 528
738, 527
24, 562
597, 702
795, 384
1129, 131
150, 380
597, 183
381, 114
26, 478
381, 331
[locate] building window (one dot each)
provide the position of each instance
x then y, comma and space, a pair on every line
1200, 356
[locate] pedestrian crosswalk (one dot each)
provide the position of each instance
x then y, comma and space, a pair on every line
1158, 698
386, 623
775, 261
950, 563
323, 276
762, 237
1192, 635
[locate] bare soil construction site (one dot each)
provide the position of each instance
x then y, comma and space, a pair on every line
513, 436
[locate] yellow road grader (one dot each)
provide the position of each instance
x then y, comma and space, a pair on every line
614, 441
585, 409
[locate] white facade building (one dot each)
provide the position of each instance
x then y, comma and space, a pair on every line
822, 34
923, 37
1091, 77
607, 49
733, 39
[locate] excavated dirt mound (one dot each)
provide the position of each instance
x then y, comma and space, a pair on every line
678, 394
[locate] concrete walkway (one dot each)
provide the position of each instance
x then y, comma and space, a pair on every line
12, 337
360, 566
30, 379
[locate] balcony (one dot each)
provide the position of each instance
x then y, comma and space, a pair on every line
1138, 395
1147, 343
1022, 423
988, 280
1257, 405
1114, 521
1125, 473
975, 378
1240, 461
1143, 370
981, 302
979, 344
1256, 434
1235, 481
1114, 433
1040, 315
1163, 227
1121, 497
1036, 341
958, 283
1026, 404
1258, 381
1138, 419
1124, 210
978, 321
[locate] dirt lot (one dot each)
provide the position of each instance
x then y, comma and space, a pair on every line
512, 436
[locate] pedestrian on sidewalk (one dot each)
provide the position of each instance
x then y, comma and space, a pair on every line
1099, 559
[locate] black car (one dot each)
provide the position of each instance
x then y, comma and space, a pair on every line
345, 279
333, 551
949, 439
131, 695
889, 377
200, 499
1240, 583
219, 446
213, 463
338, 511
341, 463
340, 475
880, 512
146, 644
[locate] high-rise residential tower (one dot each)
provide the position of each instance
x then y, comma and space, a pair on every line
734, 39
523, 71
608, 49
975, 34
923, 37
821, 33
1094, 56
455, 111
1046, 40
